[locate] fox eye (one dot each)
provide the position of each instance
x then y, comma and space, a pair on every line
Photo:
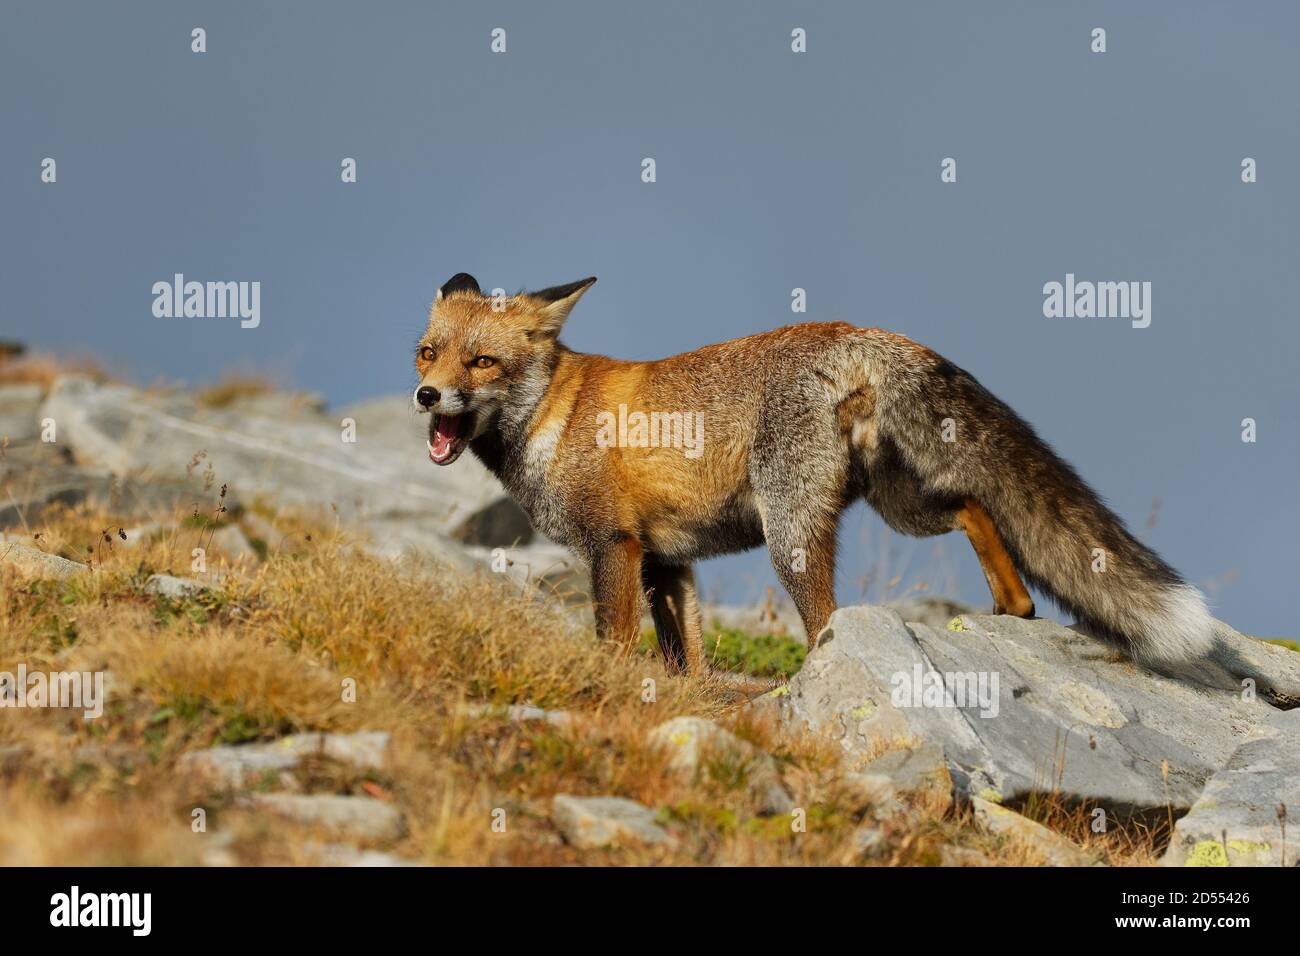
484, 361
426, 353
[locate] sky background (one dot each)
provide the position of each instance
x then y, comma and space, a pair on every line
775, 170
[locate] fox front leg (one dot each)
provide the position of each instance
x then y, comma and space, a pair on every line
616, 591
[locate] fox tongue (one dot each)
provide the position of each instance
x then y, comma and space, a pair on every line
444, 433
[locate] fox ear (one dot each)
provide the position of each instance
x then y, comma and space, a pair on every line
555, 304
460, 282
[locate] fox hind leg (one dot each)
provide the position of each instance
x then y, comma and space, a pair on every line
799, 491
801, 543
903, 501
1009, 594
675, 608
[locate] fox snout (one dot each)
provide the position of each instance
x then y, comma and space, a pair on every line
447, 401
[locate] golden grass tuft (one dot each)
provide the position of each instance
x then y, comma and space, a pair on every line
44, 370
233, 387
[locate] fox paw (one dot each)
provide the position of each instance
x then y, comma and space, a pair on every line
1023, 608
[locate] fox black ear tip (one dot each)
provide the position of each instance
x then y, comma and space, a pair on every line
460, 282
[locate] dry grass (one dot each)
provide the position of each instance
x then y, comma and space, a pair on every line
42, 370
270, 651
233, 387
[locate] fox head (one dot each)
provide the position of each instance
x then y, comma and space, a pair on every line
483, 356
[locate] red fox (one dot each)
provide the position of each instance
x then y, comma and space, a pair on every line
644, 467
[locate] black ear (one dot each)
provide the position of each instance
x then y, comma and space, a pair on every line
555, 304
460, 282
557, 292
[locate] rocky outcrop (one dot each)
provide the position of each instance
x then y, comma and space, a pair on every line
1249, 812
29, 562
1021, 706
140, 452
307, 462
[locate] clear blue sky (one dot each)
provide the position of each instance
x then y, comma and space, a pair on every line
775, 170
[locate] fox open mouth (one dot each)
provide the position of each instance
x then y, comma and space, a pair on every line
448, 436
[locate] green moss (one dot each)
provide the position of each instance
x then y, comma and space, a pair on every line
52, 622
234, 724
199, 607
697, 815
762, 655
729, 648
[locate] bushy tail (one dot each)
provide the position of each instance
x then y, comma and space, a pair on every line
1061, 536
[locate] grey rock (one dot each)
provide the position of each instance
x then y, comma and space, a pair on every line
420, 542
594, 822
138, 452
498, 524
691, 742
934, 611
19, 408
1052, 848
867, 840
1065, 703
358, 818
778, 615
177, 589
876, 789
238, 767
521, 714
40, 476
247, 764
365, 749
233, 543
385, 472
33, 563
463, 501
142, 534
258, 529
919, 770
543, 564
1235, 820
